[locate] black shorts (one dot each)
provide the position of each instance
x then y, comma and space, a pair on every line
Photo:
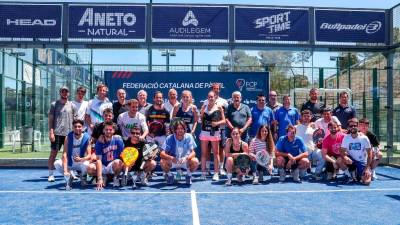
136, 166
329, 166
59, 141
294, 166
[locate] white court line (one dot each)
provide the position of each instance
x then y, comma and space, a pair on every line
195, 210
197, 192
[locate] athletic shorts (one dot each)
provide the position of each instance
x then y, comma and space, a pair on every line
108, 169
294, 166
58, 143
329, 166
206, 136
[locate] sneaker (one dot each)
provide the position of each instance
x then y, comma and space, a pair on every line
203, 176
228, 182
215, 177
74, 177
188, 179
124, 180
83, 178
296, 176
51, 178
255, 180
170, 179
222, 172
116, 182
143, 179
282, 175
374, 176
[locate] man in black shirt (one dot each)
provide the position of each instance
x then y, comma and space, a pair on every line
373, 139
313, 105
158, 119
147, 167
344, 112
98, 128
119, 106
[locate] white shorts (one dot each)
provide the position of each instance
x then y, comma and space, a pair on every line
108, 169
179, 166
76, 166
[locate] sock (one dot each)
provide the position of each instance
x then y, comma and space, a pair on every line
229, 175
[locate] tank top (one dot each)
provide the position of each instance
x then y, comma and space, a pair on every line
233, 150
208, 118
187, 117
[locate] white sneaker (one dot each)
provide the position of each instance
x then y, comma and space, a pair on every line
51, 178
222, 172
228, 182
116, 182
255, 180
215, 177
374, 176
203, 176
282, 175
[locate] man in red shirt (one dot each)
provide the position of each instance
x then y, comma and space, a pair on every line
331, 150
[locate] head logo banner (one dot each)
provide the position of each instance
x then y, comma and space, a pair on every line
28, 22
350, 26
190, 23
199, 83
105, 23
271, 24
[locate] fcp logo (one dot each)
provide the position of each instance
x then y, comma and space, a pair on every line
240, 83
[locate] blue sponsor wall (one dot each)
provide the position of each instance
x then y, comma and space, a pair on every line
278, 24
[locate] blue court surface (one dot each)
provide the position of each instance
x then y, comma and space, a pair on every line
27, 198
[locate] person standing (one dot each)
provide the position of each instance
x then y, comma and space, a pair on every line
344, 112
285, 116
61, 114
261, 115
96, 106
313, 105
119, 106
172, 101
158, 119
143, 104
238, 115
80, 104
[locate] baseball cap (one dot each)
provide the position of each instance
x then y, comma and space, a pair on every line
64, 88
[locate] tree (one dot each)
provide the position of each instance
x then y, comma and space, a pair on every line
302, 57
242, 62
345, 63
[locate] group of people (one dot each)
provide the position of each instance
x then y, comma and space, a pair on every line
242, 140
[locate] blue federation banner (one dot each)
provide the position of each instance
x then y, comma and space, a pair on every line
190, 23
350, 26
30, 21
199, 83
271, 24
122, 22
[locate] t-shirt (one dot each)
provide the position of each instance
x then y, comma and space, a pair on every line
220, 102
80, 109
306, 133
95, 109
332, 145
125, 123
259, 118
344, 114
110, 150
238, 117
143, 109
187, 117
139, 146
295, 147
256, 145
357, 147
118, 109
98, 130
76, 146
320, 123
169, 107
179, 148
157, 119
373, 139
63, 115
315, 108
286, 117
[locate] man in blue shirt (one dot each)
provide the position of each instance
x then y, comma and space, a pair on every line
261, 115
108, 150
285, 116
344, 112
291, 153
178, 153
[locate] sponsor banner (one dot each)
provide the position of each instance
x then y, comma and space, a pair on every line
190, 23
271, 24
122, 22
27, 22
199, 83
350, 26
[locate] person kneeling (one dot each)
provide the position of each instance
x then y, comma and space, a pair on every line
75, 155
291, 154
178, 153
141, 166
236, 149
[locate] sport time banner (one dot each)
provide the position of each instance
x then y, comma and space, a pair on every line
271, 24
120, 22
190, 23
30, 21
199, 83
350, 26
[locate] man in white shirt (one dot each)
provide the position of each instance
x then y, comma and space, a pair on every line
96, 106
305, 130
172, 101
132, 118
80, 104
357, 153
326, 118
